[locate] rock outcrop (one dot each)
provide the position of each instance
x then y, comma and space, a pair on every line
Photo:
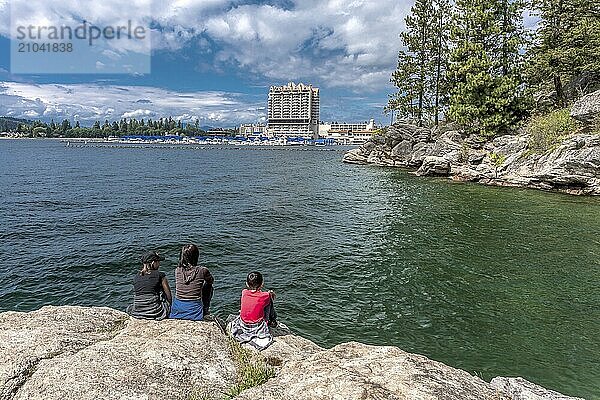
587, 108
100, 353
571, 167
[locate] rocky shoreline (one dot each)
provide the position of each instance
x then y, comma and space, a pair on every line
571, 167
101, 353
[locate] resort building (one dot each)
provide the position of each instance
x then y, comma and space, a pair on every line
348, 133
253, 130
293, 110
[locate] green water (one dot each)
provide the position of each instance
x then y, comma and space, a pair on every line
497, 281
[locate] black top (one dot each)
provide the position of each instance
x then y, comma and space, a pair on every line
148, 284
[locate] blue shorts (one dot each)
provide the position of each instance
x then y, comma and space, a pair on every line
187, 309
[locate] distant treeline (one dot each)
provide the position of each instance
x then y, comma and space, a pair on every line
8, 124
124, 127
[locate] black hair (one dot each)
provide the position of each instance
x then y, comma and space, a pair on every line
254, 280
189, 256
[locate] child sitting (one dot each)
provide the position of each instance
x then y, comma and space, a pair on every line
257, 314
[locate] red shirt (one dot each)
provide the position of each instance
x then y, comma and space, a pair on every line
253, 305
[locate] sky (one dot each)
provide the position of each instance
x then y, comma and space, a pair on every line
209, 59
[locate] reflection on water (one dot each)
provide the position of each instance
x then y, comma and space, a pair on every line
495, 281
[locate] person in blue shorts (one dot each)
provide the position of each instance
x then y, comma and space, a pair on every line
193, 287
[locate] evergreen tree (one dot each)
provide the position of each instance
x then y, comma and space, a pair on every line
565, 55
486, 94
419, 76
441, 55
65, 126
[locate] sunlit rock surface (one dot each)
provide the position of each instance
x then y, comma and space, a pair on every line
100, 353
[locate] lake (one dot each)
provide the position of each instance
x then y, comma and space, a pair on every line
496, 281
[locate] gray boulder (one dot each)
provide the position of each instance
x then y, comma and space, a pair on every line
98, 353
434, 166
587, 108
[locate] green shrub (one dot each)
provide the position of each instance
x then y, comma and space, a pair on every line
251, 371
548, 130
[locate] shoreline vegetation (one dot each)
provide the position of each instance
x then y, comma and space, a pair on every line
480, 97
474, 64
166, 126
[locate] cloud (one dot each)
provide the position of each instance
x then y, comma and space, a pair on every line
139, 113
91, 102
336, 43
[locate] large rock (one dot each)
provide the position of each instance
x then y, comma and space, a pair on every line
434, 166
99, 353
587, 108
26, 339
91, 353
357, 371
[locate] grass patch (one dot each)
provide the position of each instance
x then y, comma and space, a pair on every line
549, 130
251, 371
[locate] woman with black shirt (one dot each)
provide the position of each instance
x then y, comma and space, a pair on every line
152, 294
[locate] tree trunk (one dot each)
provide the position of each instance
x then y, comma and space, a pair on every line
560, 94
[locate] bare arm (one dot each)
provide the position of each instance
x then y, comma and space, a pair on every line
208, 278
167, 289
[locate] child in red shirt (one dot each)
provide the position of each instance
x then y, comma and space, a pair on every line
256, 305
257, 315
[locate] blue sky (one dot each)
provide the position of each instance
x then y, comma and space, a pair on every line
215, 59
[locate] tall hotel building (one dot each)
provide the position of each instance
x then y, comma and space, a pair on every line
294, 110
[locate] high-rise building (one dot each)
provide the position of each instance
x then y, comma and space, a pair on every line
293, 110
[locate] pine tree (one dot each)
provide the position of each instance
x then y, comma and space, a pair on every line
566, 51
419, 76
65, 126
440, 56
486, 94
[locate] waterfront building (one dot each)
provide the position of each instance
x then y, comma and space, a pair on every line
293, 110
348, 133
253, 130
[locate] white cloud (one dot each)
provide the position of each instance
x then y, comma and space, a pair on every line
348, 43
91, 102
139, 113
335, 43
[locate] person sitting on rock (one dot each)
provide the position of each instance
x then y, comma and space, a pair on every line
152, 294
257, 314
193, 287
